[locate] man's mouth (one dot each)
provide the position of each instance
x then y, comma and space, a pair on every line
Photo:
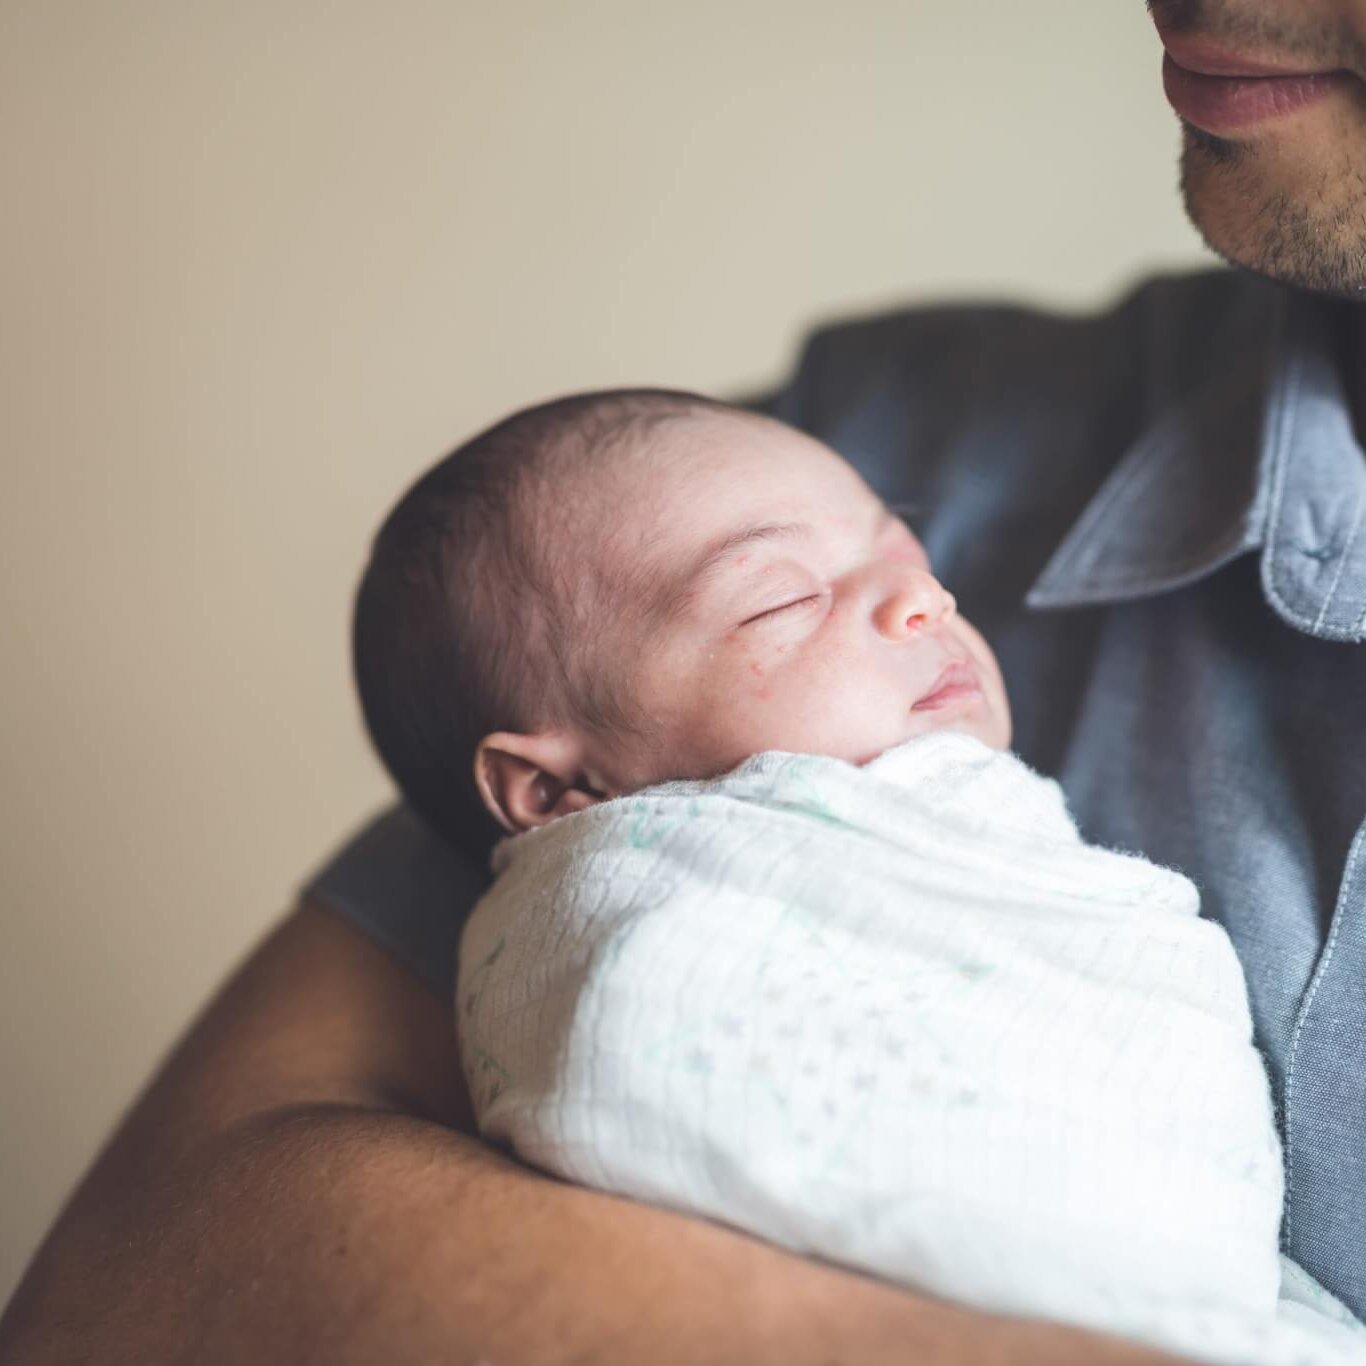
1221, 91
955, 683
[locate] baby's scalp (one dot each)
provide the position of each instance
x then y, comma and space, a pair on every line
486, 602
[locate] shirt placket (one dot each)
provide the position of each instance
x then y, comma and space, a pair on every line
1325, 1097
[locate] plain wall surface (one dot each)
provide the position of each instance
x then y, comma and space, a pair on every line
263, 262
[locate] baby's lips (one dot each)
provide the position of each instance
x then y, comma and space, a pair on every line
958, 679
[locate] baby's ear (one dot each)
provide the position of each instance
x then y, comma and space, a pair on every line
529, 780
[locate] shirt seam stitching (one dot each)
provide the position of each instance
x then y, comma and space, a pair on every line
1212, 558
1343, 558
1339, 915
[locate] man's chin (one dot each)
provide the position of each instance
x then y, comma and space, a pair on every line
1265, 209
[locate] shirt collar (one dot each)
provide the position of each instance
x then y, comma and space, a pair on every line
1259, 455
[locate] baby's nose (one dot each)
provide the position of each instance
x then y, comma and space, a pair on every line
915, 601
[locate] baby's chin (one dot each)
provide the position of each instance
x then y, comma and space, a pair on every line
988, 735
975, 717
971, 717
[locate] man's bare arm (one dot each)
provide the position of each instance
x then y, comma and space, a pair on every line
292, 1188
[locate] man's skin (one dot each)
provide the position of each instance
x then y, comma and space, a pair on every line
1285, 196
289, 1191
299, 1183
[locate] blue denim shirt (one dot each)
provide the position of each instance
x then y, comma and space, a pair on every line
1157, 517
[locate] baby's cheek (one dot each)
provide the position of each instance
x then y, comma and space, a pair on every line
749, 664
761, 694
726, 713
759, 686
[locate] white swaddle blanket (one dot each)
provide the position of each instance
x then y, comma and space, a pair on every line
901, 1017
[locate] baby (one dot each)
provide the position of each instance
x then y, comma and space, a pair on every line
814, 953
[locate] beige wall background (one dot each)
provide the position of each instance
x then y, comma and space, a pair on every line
262, 262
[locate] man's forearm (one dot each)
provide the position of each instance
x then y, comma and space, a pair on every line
342, 1235
291, 1189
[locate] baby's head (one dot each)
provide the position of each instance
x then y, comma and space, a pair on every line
614, 589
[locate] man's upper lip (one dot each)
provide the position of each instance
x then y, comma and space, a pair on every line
1208, 59
959, 671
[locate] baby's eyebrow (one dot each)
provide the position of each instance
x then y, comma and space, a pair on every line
695, 577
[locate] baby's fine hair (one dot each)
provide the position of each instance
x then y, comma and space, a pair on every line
462, 626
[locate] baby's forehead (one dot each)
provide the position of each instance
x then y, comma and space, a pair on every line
642, 514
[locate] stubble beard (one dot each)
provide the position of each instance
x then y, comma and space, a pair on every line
1310, 234
1289, 207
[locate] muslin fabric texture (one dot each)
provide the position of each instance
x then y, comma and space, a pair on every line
904, 1018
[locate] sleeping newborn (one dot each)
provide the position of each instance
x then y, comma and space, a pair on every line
782, 934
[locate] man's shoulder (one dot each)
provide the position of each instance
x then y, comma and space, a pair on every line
936, 355
932, 402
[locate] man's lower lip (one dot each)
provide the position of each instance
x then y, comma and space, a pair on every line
1225, 104
955, 692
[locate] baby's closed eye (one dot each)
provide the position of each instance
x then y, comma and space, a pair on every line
808, 600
